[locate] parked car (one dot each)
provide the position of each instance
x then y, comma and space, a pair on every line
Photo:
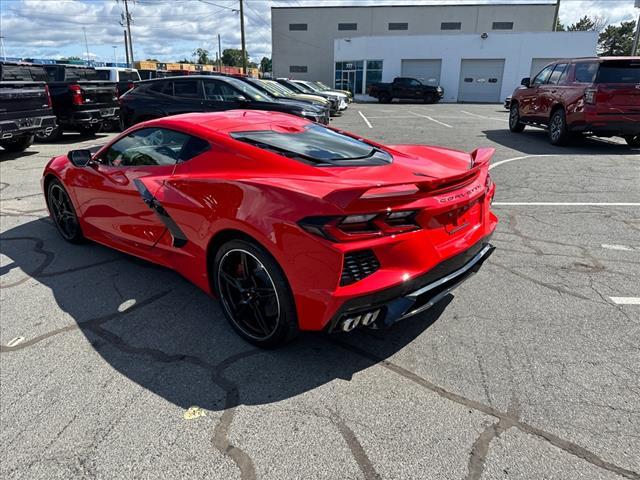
25, 105
334, 99
272, 85
81, 100
267, 89
124, 78
405, 88
292, 225
584, 96
309, 87
203, 93
326, 88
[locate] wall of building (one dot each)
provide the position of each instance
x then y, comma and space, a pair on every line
313, 47
518, 49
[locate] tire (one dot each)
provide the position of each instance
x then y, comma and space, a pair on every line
91, 130
384, 98
247, 280
54, 136
558, 132
63, 212
18, 145
429, 98
632, 141
515, 125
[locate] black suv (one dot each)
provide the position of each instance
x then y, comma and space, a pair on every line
25, 105
203, 93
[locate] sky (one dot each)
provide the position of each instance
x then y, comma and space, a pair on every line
172, 29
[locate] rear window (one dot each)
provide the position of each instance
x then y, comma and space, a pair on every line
317, 145
82, 74
23, 73
621, 71
128, 76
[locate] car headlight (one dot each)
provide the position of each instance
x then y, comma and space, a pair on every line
308, 113
439, 89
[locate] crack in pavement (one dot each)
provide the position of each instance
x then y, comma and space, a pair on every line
507, 418
355, 447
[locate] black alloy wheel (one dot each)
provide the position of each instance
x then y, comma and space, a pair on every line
53, 135
19, 144
515, 125
63, 214
558, 132
255, 296
633, 140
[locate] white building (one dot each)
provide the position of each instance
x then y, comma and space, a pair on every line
476, 52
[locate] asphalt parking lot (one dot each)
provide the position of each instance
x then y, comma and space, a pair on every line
114, 368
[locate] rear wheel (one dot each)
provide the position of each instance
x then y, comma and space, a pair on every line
558, 132
91, 129
384, 98
19, 144
254, 293
633, 140
52, 136
62, 212
515, 125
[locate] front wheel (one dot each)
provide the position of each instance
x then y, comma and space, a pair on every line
633, 140
515, 125
428, 98
53, 135
558, 132
62, 212
19, 144
254, 293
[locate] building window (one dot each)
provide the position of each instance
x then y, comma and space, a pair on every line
347, 26
502, 26
297, 27
398, 26
374, 73
451, 26
297, 69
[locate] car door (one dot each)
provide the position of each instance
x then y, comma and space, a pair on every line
187, 96
219, 96
530, 96
115, 191
549, 92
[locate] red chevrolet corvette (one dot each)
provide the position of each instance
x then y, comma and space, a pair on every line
291, 224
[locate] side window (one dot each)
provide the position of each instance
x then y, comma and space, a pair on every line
586, 72
543, 76
414, 83
220, 92
166, 88
186, 89
554, 78
153, 147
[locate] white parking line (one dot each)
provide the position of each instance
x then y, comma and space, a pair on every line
494, 165
430, 118
365, 119
622, 248
626, 300
571, 204
485, 117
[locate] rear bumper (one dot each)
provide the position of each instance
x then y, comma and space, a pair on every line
397, 303
87, 117
26, 125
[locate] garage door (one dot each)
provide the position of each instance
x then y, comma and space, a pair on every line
427, 71
480, 80
538, 64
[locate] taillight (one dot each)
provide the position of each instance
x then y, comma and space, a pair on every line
487, 188
590, 96
46, 89
77, 98
361, 226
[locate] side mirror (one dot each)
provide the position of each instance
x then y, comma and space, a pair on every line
240, 99
526, 81
80, 158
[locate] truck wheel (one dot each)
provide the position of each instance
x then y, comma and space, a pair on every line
91, 130
515, 125
633, 141
428, 98
19, 144
52, 136
384, 98
558, 132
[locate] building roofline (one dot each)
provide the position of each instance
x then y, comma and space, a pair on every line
504, 4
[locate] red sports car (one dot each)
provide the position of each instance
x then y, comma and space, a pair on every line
291, 224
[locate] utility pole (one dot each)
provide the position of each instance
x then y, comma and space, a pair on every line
86, 45
126, 20
126, 47
555, 16
115, 57
636, 39
4, 54
244, 50
219, 55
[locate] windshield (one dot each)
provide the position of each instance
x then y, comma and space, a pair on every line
72, 73
322, 86
249, 91
318, 145
271, 89
303, 88
279, 87
22, 73
619, 71
311, 87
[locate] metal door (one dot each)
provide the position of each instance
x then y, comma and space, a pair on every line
481, 80
427, 71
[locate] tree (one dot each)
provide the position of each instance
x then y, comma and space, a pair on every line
588, 24
559, 26
232, 57
617, 40
266, 64
202, 56
152, 60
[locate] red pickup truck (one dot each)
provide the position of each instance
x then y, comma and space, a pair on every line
583, 96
